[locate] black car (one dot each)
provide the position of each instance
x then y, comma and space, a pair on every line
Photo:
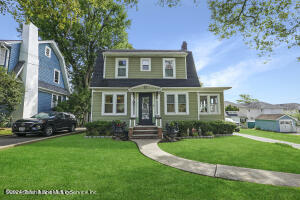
45, 123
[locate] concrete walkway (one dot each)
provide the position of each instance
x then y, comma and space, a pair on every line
263, 139
149, 148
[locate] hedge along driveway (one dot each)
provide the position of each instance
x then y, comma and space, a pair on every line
237, 151
115, 170
272, 135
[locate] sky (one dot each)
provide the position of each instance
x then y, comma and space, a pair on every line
226, 62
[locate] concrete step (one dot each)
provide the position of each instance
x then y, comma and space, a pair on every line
145, 128
144, 136
145, 131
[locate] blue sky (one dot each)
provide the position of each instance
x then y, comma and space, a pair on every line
219, 63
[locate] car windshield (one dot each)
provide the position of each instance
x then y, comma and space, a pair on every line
43, 115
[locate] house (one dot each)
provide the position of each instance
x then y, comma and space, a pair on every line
250, 111
234, 115
40, 66
276, 122
149, 88
290, 107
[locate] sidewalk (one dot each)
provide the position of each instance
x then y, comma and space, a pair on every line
149, 148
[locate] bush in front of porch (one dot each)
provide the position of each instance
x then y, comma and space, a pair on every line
190, 127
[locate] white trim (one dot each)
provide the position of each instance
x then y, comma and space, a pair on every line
141, 64
174, 69
147, 53
114, 94
190, 89
176, 103
208, 104
132, 98
104, 66
56, 70
158, 104
287, 116
117, 66
46, 47
51, 91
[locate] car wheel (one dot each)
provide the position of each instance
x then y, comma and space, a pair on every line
48, 131
20, 134
72, 128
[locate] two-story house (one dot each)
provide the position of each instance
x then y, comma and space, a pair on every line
148, 88
40, 66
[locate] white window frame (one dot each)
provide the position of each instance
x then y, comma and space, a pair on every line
117, 66
176, 103
57, 95
46, 47
164, 67
114, 94
4, 56
141, 64
56, 70
208, 104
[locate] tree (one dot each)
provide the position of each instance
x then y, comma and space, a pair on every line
11, 93
81, 29
263, 24
231, 108
246, 98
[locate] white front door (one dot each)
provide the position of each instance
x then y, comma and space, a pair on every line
286, 126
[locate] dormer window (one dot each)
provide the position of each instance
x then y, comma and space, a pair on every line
169, 68
48, 52
2, 56
56, 76
145, 64
121, 68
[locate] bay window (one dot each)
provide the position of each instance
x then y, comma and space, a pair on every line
114, 103
169, 68
121, 68
208, 104
176, 103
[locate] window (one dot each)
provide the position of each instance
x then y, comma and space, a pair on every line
145, 64
121, 68
56, 76
55, 100
209, 104
114, 103
176, 103
2, 56
48, 52
169, 68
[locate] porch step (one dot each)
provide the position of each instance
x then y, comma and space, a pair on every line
147, 131
144, 136
145, 128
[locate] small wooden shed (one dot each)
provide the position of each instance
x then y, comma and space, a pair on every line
276, 122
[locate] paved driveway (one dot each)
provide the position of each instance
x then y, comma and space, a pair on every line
12, 139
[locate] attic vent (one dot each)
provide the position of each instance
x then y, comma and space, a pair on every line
48, 52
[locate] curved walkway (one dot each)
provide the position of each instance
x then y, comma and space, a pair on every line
149, 148
263, 139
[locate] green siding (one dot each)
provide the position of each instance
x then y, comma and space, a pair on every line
135, 72
97, 109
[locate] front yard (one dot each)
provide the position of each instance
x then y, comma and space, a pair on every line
5, 131
117, 170
237, 151
273, 135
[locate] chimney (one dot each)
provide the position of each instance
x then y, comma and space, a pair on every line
184, 46
30, 54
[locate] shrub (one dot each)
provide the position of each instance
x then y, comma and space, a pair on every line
99, 128
216, 127
208, 133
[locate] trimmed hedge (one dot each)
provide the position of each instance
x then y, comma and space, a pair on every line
204, 127
99, 128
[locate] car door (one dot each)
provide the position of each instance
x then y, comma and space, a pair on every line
59, 121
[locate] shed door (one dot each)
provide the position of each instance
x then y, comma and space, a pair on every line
286, 126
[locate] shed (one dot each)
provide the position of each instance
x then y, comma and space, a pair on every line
276, 122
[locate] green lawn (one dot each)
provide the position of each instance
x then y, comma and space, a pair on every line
238, 151
273, 135
115, 170
5, 131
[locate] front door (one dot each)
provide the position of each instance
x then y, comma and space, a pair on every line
145, 108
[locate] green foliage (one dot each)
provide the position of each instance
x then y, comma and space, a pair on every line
97, 128
231, 108
78, 104
11, 93
246, 98
216, 127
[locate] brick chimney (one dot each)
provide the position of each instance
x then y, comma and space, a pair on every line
184, 46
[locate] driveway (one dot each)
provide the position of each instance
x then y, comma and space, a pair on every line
14, 140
